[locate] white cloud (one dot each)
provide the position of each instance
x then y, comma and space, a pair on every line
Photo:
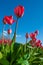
18, 36
5, 33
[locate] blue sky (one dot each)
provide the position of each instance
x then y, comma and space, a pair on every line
31, 21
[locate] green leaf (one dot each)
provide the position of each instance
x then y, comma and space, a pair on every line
20, 60
3, 61
23, 61
1, 55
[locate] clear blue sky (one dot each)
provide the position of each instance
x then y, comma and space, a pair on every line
31, 21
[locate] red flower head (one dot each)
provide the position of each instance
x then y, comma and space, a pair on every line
32, 35
34, 40
38, 43
9, 19
41, 47
36, 32
9, 31
19, 11
0, 41
5, 41
4, 21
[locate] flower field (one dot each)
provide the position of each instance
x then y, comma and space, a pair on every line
14, 53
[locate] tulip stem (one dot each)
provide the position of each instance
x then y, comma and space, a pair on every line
26, 40
3, 37
25, 45
2, 34
10, 34
14, 38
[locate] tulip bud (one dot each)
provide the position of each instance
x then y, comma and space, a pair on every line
34, 40
4, 21
38, 43
0, 41
32, 35
9, 31
27, 36
36, 32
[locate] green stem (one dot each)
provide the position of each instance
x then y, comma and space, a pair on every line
14, 37
2, 34
25, 45
3, 37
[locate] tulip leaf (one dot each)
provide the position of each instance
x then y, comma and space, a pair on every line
3, 61
1, 55
23, 61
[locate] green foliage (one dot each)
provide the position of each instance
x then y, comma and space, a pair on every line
15, 55
1, 55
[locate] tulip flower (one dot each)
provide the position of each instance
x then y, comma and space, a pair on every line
0, 41
41, 46
9, 19
5, 41
9, 31
38, 43
33, 41
19, 11
36, 32
5, 22
32, 35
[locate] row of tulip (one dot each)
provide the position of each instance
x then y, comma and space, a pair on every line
12, 53
34, 41
19, 11
6, 45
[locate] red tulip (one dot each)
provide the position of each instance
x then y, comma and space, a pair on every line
4, 21
9, 19
9, 31
5, 41
36, 32
32, 35
19, 11
34, 40
0, 41
32, 43
41, 47
38, 43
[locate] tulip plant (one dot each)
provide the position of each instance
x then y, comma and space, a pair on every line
13, 53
